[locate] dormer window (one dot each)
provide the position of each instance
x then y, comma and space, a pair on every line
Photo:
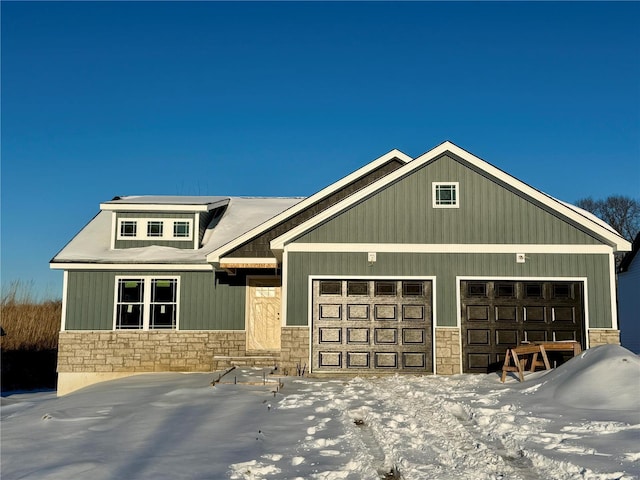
128, 228
445, 194
181, 229
155, 229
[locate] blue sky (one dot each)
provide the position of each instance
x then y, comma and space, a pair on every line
119, 98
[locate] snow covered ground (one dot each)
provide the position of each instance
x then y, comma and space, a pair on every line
579, 421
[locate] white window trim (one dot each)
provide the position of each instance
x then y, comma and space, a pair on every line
434, 186
146, 302
167, 229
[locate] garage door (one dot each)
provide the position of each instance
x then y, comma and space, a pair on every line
497, 315
371, 325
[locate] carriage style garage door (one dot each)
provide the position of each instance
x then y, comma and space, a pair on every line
497, 315
372, 325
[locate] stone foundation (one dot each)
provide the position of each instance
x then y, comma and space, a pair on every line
447, 347
87, 357
603, 336
294, 350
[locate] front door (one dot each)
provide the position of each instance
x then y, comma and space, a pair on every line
263, 313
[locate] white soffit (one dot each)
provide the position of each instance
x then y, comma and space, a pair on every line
214, 257
620, 243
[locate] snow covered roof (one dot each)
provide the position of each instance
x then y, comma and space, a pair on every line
93, 243
164, 203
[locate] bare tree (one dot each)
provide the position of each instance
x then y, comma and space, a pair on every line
622, 213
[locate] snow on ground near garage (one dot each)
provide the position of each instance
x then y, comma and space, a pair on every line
579, 421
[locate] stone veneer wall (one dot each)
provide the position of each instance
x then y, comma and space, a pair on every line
603, 337
145, 351
294, 349
447, 351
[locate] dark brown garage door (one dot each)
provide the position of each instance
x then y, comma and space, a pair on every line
497, 315
372, 325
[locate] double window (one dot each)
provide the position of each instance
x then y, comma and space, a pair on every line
445, 194
146, 303
155, 229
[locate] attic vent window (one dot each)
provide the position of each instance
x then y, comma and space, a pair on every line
445, 194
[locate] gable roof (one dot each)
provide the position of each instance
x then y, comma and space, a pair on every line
214, 256
586, 220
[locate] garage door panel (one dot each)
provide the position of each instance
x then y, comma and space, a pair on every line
330, 312
358, 359
358, 312
414, 360
358, 336
478, 313
536, 335
478, 337
364, 325
534, 314
564, 314
413, 312
478, 360
496, 315
388, 336
385, 312
507, 337
506, 313
413, 336
330, 359
386, 359
564, 335
330, 335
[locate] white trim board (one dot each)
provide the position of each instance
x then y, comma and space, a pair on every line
445, 248
159, 207
616, 240
434, 309
133, 266
214, 256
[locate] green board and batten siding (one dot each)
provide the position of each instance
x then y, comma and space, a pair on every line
489, 213
206, 302
445, 267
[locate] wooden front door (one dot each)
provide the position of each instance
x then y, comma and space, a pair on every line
263, 314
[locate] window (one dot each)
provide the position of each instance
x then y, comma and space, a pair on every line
128, 228
328, 287
445, 194
412, 289
146, 303
165, 229
357, 288
385, 288
181, 229
154, 229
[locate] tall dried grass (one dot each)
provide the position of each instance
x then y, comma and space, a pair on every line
28, 323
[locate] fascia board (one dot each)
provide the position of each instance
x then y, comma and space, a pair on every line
131, 266
214, 257
277, 244
157, 207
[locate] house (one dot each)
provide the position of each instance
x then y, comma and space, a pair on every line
435, 264
629, 299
